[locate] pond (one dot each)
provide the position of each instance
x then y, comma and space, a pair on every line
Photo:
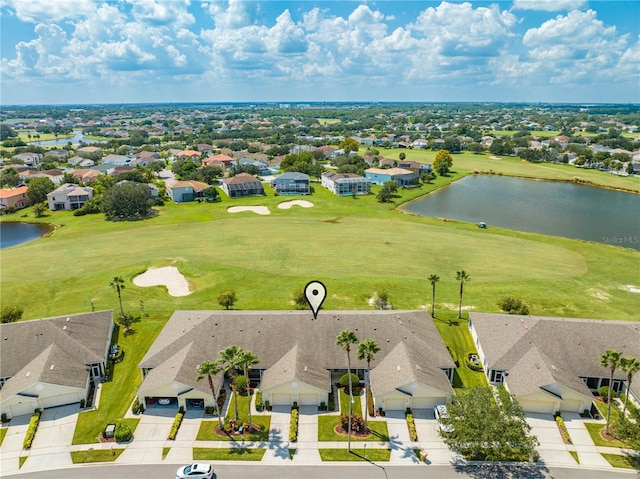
77, 137
550, 208
14, 234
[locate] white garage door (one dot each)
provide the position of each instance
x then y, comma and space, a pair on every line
308, 399
59, 400
570, 405
394, 405
281, 400
25, 407
427, 402
536, 406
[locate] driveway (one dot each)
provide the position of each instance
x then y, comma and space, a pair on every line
278, 447
587, 452
429, 440
552, 448
307, 446
149, 437
12, 445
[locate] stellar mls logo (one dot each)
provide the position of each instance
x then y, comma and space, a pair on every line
621, 239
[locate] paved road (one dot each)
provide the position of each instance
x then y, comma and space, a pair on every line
371, 471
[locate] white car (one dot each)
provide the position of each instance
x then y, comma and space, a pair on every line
195, 471
440, 411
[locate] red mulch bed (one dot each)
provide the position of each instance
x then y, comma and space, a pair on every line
223, 433
104, 439
342, 432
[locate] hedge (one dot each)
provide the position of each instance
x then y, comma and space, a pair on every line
472, 366
563, 429
413, 434
123, 433
31, 431
175, 426
293, 426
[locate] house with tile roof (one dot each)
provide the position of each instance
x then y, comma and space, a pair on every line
69, 197
552, 364
242, 185
53, 361
402, 177
184, 191
345, 184
298, 359
14, 198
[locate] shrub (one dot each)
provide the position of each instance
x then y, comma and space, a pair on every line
344, 380
123, 433
241, 384
31, 430
176, 425
470, 365
222, 397
4, 417
259, 404
82, 402
604, 392
209, 411
135, 407
413, 434
323, 406
293, 426
11, 314
357, 423
563, 429
267, 405
513, 305
453, 355
372, 410
332, 402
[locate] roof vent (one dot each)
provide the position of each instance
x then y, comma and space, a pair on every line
28, 374
64, 327
306, 369
52, 367
398, 368
68, 319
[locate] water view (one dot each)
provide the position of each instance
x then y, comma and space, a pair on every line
77, 137
14, 234
557, 209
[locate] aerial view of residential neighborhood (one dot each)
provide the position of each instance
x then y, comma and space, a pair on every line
285, 239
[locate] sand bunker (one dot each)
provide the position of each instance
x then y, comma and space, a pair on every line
493, 157
288, 204
260, 210
168, 276
630, 288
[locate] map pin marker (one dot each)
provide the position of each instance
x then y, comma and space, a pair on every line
315, 292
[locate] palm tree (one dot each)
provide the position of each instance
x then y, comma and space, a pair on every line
367, 350
610, 359
631, 366
117, 283
229, 359
210, 369
345, 339
433, 279
247, 359
463, 277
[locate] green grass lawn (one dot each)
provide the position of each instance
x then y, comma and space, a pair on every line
574, 454
327, 425
165, 452
356, 408
361, 454
227, 454
207, 431
626, 462
594, 431
96, 455
3, 433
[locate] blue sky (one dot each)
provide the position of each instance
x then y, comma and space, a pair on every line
133, 51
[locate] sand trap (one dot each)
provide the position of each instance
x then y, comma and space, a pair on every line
168, 276
493, 157
630, 288
288, 204
455, 307
260, 210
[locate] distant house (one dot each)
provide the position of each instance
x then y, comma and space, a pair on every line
552, 364
387, 162
117, 159
52, 362
402, 177
241, 185
420, 143
204, 148
291, 183
29, 159
92, 152
54, 175
184, 191
119, 169
260, 165
189, 154
69, 197
221, 160
414, 166
345, 184
58, 154
86, 176
14, 198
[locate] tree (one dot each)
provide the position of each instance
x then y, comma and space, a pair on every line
349, 145
345, 339
227, 299
39, 188
39, 209
402, 156
630, 365
211, 193
229, 360
463, 277
427, 177
247, 359
299, 299
117, 283
367, 350
610, 359
126, 320
443, 162
9, 177
433, 279
384, 195
513, 305
480, 426
381, 300
11, 314
210, 369
127, 201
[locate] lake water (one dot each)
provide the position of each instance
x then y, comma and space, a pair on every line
14, 234
550, 208
77, 137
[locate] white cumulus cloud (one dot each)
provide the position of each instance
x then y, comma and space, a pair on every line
548, 5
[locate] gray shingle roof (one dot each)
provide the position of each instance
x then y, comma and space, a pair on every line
298, 365
272, 334
572, 346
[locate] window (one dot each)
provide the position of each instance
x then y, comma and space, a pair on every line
497, 376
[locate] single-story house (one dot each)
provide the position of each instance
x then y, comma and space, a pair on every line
183, 191
119, 160
14, 198
291, 183
69, 197
420, 143
52, 362
189, 154
54, 175
241, 185
86, 176
218, 160
298, 359
552, 364
345, 184
92, 152
402, 177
